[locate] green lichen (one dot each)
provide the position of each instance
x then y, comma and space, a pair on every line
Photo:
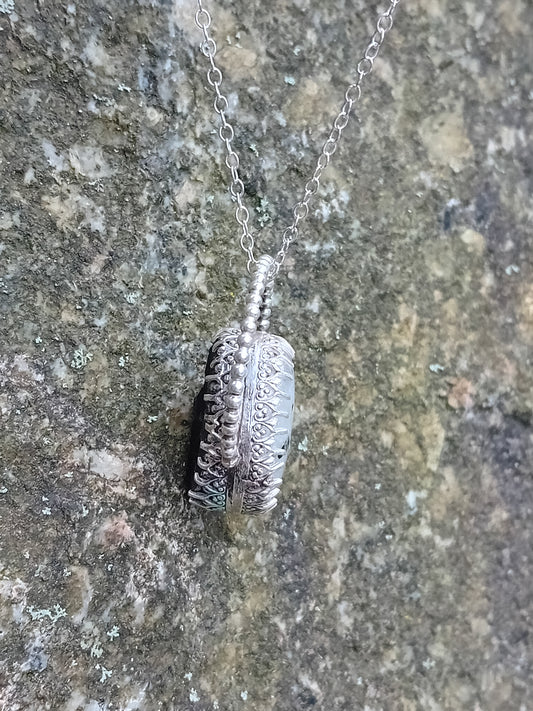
113, 633
80, 358
54, 615
7, 6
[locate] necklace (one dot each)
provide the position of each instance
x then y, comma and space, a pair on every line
247, 400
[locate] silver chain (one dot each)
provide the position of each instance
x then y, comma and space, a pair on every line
226, 133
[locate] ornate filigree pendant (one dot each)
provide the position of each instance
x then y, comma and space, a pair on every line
248, 403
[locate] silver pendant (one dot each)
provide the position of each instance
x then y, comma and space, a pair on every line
248, 403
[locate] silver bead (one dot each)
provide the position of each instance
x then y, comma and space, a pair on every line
245, 339
231, 416
228, 430
236, 387
264, 325
249, 324
252, 311
255, 298
238, 370
265, 313
233, 402
242, 355
229, 457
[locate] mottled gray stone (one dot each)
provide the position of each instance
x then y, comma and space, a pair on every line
397, 571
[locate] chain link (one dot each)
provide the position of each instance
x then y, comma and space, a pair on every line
226, 133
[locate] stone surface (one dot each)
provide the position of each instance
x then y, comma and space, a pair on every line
397, 571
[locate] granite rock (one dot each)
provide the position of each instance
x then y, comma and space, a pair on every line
397, 571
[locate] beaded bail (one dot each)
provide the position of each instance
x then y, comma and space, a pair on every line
257, 313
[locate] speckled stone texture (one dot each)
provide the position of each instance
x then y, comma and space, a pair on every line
397, 572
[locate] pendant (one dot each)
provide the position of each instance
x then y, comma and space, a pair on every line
247, 411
